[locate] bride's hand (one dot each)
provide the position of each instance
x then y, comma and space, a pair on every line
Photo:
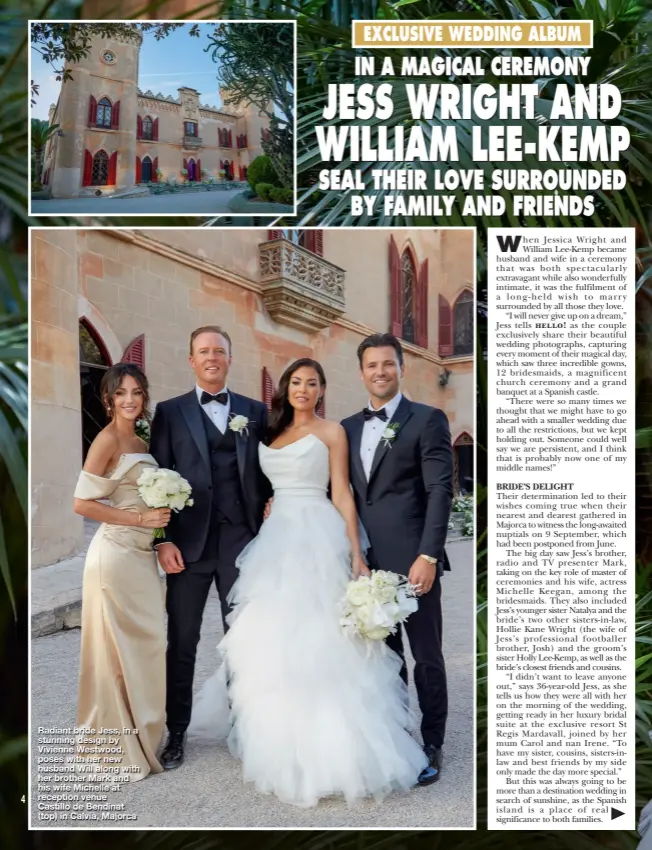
359, 567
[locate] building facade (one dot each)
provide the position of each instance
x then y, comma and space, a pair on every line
101, 297
112, 136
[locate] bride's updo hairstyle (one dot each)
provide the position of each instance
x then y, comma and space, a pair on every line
282, 412
112, 381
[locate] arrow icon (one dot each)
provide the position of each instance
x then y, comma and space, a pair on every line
616, 813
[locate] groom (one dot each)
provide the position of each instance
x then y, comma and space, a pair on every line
401, 470
209, 436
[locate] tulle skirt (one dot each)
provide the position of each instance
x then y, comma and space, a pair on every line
309, 711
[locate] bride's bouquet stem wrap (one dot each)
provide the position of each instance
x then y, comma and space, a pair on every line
373, 606
164, 488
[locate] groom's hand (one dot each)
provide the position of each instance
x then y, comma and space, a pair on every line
169, 557
268, 509
424, 574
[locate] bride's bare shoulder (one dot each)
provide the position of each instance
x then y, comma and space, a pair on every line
330, 432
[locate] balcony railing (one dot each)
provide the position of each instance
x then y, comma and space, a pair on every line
192, 142
299, 288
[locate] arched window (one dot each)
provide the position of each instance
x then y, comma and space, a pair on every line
463, 324
146, 170
147, 128
100, 175
94, 360
463, 463
408, 286
104, 113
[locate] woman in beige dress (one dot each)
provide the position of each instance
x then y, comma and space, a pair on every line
122, 664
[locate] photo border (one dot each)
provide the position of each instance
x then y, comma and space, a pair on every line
474, 600
32, 214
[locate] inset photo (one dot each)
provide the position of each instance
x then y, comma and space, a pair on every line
162, 118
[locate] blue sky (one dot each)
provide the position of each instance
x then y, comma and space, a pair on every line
177, 60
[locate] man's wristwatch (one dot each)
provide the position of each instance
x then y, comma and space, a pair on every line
429, 559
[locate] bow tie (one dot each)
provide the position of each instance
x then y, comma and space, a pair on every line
375, 414
221, 398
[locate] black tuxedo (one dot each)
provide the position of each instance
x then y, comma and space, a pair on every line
405, 508
229, 492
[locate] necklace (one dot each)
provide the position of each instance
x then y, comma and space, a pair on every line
294, 427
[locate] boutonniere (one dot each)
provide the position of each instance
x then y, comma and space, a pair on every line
389, 434
239, 424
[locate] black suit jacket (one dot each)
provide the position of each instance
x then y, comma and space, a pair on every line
178, 441
405, 507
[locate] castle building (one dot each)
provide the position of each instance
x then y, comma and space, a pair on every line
112, 136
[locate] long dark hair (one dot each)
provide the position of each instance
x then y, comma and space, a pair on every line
282, 412
112, 381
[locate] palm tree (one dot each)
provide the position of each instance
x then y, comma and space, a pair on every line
42, 132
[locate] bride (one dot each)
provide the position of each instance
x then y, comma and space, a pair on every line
310, 712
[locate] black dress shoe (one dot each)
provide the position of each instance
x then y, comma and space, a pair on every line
172, 755
431, 773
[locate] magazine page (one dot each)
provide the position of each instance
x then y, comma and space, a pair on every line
323, 423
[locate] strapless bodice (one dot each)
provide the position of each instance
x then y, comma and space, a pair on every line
300, 469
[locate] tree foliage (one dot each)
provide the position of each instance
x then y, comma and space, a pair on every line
257, 67
40, 135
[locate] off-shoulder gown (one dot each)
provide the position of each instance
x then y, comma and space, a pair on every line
310, 712
122, 663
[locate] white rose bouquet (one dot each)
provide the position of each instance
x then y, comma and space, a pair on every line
164, 488
373, 606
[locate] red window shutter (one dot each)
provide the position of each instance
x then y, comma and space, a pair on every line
113, 164
244, 145
115, 116
92, 112
445, 328
139, 127
154, 170
421, 306
320, 410
318, 242
274, 234
268, 388
395, 305
155, 130
198, 171
139, 172
88, 169
230, 139
135, 352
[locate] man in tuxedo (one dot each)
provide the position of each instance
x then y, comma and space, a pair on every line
209, 436
401, 469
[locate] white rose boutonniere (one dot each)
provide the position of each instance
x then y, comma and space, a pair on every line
389, 435
239, 424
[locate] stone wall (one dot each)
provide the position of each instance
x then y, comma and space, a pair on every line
55, 428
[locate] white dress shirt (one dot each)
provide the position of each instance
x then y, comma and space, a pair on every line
372, 431
216, 412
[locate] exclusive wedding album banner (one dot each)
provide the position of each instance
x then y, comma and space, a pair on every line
291, 720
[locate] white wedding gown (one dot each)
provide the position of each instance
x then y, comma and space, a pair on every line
310, 712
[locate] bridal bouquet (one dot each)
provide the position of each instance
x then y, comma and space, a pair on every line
164, 488
374, 605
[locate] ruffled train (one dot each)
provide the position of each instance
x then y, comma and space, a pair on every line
310, 712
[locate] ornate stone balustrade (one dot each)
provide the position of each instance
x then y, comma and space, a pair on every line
300, 288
